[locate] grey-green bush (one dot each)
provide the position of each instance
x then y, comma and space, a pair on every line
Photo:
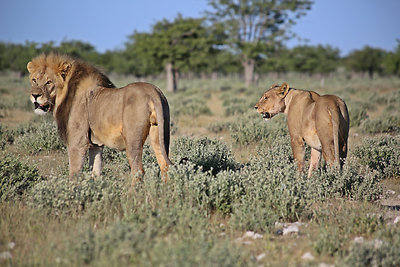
16, 176
210, 154
380, 153
253, 128
40, 137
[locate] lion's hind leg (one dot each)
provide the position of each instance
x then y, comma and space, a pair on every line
95, 165
155, 144
134, 150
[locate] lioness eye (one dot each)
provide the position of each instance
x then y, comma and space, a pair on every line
48, 82
265, 97
33, 80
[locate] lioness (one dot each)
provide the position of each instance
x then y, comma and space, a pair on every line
321, 121
90, 112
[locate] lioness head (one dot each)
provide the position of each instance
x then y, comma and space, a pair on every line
46, 77
273, 101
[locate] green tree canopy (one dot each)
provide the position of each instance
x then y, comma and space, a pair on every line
368, 60
255, 26
391, 61
181, 45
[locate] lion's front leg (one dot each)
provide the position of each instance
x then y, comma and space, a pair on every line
76, 156
95, 162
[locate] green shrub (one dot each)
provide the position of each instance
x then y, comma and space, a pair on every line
385, 124
63, 194
330, 241
16, 176
41, 137
352, 182
209, 154
253, 128
357, 115
189, 104
6, 137
380, 153
381, 251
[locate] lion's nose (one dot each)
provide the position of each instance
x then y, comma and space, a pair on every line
256, 107
35, 96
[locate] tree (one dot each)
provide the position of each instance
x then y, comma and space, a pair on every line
181, 45
391, 61
314, 59
256, 26
368, 60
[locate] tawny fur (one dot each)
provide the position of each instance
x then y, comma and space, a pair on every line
90, 112
320, 121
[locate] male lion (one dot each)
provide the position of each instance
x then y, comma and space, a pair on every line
90, 112
321, 121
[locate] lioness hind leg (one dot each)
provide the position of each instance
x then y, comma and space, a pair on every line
297, 144
155, 144
315, 158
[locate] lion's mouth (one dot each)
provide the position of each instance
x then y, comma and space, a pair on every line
41, 107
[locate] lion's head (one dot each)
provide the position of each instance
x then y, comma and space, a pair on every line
272, 101
47, 76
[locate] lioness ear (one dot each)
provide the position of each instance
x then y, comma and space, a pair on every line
274, 85
284, 89
29, 66
64, 69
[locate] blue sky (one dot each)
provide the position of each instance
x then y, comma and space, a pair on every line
343, 24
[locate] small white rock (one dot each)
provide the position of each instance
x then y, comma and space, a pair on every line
291, 229
396, 220
323, 264
248, 234
358, 239
5, 255
307, 256
378, 243
261, 256
11, 245
257, 236
390, 192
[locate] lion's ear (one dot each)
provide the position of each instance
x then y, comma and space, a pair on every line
64, 69
29, 66
284, 89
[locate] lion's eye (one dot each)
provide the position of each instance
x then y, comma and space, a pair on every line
48, 82
265, 97
33, 80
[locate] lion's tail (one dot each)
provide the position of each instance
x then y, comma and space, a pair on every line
335, 128
162, 112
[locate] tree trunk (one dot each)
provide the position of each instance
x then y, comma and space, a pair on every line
171, 78
248, 65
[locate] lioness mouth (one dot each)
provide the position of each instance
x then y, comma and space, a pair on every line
45, 108
267, 115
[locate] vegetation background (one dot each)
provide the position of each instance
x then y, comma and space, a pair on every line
237, 192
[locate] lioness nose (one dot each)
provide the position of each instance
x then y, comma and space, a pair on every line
256, 107
35, 96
